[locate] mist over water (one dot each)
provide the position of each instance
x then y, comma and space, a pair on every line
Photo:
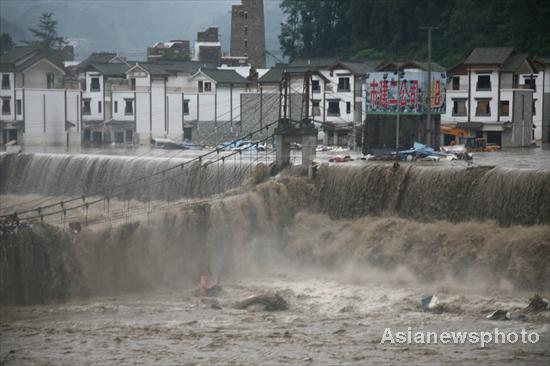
370, 220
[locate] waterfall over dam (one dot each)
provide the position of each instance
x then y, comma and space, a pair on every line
509, 196
76, 175
478, 225
417, 192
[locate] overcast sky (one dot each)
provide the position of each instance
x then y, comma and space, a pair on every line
130, 26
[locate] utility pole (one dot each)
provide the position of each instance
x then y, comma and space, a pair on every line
397, 117
429, 95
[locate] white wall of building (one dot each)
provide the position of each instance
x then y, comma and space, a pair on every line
94, 96
36, 75
158, 98
44, 117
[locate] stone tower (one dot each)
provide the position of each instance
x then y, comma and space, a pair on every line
248, 32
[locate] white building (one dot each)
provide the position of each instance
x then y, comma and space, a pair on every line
540, 83
337, 94
173, 99
487, 97
105, 94
36, 109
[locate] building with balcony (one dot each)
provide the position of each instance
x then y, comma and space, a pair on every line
487, 97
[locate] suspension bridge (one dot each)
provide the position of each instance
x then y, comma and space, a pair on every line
220, 169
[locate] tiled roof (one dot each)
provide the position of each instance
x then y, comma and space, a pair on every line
275, 74
359, 68
110, 69
314, 62
514, 62
412, 64
96, 57
20, 58
16, 54
489, 56
170, 68
225, 76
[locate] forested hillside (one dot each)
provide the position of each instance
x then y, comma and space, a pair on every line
392, 28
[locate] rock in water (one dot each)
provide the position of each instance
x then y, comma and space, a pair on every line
271, 302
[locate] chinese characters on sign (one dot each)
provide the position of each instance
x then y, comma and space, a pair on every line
384, 95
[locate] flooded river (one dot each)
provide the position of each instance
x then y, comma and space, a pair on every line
329, 322
352, 253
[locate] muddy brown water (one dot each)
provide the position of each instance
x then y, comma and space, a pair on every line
349, 263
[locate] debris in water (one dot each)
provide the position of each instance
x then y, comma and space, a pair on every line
340, 159
537, 304
499, 315
270, 302
428, 302
209, 286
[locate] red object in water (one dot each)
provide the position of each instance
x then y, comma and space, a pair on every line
75, 227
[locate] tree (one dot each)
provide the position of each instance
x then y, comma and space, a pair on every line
377, 28
6, 43
46, 37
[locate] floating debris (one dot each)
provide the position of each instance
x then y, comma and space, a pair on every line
499, 315
428, 302
537, 304
270, 302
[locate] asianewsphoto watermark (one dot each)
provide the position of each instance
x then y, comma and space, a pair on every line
480, 338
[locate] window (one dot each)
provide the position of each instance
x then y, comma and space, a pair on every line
99, 107
245, 30
87, 135
129, 106
534, 107
343, 84
6, 105
119, 137
459, 107
456, 83
95, 85
18, 107
315, 87
186, 107
5, 81
200, 86
348, 107
483, 107
316, 108
50, 79
484, 82
86, 108
246, 15
130, 136
133, 83
207, 86
504, 108
333, 107
246, 43
116, 106
187, 133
